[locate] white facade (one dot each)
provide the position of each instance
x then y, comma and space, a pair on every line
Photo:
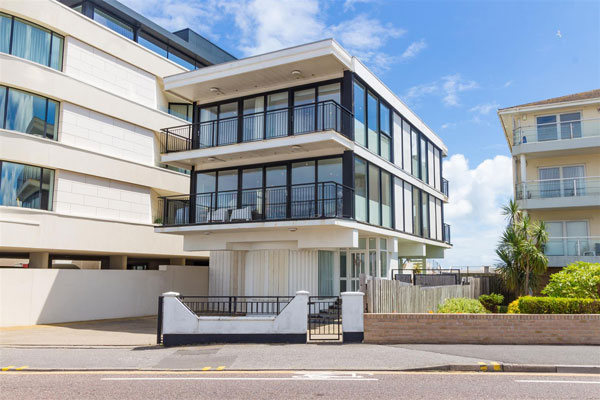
104, 160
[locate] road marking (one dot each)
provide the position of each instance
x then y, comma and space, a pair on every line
7, 368
236, 379
221, 368
206, 368
482, 366
22, 368
542, 381
497, 366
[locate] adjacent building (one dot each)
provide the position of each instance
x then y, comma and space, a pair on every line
555, 146
82, 100
306, 172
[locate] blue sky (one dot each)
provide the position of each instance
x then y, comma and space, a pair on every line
453, 62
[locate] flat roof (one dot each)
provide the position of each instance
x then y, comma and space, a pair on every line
590, 94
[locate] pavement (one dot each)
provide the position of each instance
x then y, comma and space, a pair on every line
129, 344
295, 385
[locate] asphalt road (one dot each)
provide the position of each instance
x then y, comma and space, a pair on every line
296, 385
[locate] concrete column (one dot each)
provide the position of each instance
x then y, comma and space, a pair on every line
177, 261
39, 260
353, 324
118, 262
523, 166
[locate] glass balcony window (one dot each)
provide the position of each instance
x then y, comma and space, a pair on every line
28, 113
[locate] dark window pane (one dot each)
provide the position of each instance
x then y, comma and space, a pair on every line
330, 170
20, 186
384, 116
360, 189
205, 182
546, 128
56, 54
424, 174
30, 42
372, 123
5, 21
227, 180
152, 44
182, 111
360, 117
252, 178
3, 91
47, 188
415, 153
113, 23
181, 59
51, 120
26, 112
374, 214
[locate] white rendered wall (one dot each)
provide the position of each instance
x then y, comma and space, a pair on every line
97, 132
43, 296
90, 196
107, 72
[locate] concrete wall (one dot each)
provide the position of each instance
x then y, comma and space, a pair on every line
97, 132
582, 329
90, 196
29, 297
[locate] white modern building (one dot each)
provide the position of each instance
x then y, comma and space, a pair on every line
82, 100
306, 171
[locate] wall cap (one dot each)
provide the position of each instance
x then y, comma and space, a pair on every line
302, 293
170, 294
361, 294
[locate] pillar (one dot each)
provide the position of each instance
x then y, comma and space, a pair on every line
353, 324
523, 166
39, 260
118, 262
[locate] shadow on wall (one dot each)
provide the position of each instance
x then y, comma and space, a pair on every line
42, 296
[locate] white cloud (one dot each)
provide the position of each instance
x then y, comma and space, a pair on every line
449, 87
414, 49
349, 4
448, 125
485, 108
508, 83
474, 210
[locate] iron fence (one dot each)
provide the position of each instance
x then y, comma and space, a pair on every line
236, 305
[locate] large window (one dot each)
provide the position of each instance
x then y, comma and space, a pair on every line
28, 113
32, 42
385, 137
113, 23
181, 110
360, 115
373, 124
424, 175
386, 199
360, 189
374, 187
416, 211
26, 186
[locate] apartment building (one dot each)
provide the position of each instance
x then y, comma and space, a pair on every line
555, 146
306, 172
82, 100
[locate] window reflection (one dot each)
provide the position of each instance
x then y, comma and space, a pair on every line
26, 186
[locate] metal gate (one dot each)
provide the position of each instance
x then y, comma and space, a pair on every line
324, 318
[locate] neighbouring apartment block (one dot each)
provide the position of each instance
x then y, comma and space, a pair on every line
306, 172
555, 146
82, 101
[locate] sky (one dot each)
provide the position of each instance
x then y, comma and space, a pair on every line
453, 62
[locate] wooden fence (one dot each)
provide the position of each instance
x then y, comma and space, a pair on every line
389, 296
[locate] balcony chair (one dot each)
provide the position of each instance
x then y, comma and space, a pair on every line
241, 214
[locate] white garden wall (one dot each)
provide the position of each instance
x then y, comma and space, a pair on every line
38, 296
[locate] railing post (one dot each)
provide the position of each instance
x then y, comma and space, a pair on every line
166, 140
277, 299
159, 319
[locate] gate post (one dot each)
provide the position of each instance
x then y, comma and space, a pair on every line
353, 317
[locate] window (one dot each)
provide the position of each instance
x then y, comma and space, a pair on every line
408, 208
385, 147
568, 238
425, 213
386, 199
373, 256
397, 124
304, 111
437, 165
28, 113
406, 147
31, 42
181, 110
360, 189
181, 59
416, 211
549, 128
277, 115
253, 118
26, 186
303, 189
383, 258
113, 23
374, 212
373, 124
564, 181
360, 116
415, 153
399, 204
153, 44
227, 184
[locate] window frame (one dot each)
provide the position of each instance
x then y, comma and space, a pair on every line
50, 200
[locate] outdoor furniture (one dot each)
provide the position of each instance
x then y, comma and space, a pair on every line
220, 215
241, 214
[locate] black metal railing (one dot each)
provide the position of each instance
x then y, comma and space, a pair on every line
428, 277
307, 118
290, 202
445, 187
236, 306
446, 233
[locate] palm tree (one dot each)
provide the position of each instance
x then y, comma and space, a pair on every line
521, 250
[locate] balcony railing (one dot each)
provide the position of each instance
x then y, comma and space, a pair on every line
557, 131
446, 233
551, 188
573, 246
293, 202
307, 118
445, 187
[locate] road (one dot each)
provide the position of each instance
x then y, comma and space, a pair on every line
295, 385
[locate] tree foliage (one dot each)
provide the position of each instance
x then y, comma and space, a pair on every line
577, 280
460, 305
521, 250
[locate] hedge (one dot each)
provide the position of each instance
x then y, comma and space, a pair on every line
557, 305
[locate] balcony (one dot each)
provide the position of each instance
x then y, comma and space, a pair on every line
446, 233
265, 125
557, 131
565, 250
557, 193
278, 203
445, 187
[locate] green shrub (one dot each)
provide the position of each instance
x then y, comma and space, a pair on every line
502, 309
491, 301
579, 280
459, 305
513, 308
557, 305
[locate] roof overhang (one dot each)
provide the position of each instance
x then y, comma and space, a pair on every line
316, 61
550, 106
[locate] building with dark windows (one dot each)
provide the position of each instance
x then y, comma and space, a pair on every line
82, 102
306, 171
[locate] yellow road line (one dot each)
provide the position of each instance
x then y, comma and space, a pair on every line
482, 366
7, 368
22, 368
206, 368
221, 368
497, 366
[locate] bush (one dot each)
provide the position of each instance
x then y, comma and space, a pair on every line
502, 309
491, 301
513, 308
459, 305
557, 305
578, 280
